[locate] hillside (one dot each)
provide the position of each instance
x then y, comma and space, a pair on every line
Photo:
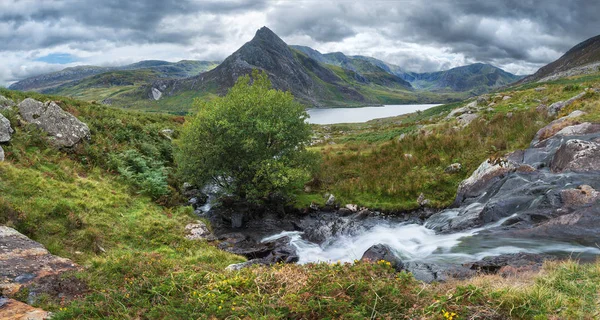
475, 78
96, 205
582, 58
56, 82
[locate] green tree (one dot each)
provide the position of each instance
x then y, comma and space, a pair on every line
252, 142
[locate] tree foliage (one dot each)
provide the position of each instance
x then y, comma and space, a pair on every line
250, 142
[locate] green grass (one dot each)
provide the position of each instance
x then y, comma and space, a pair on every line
370, 166
138, 265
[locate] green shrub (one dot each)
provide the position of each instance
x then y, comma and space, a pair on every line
147, 175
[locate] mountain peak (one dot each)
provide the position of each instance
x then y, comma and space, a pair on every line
266, 34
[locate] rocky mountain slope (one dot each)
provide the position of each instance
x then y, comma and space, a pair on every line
307, 79
47, 83
478, 78
582, 58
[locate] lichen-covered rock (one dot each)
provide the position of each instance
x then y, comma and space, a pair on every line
577, 155
453, 168
583, 195
64, 129
467, 118
6, 130
198, 231
24, 261
579, 129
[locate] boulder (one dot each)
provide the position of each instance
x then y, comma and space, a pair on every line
453, 168
583, 195
556, 107
344, 212
198, 231
576, 155
467, 118
383, 252
6, 130
506, 98
555, 126
487, 173
330, 201
6, 103
279, 250
1, 154
580, 129
539, 89
422, 201
64, 129
352, 207
25, 263
469, 108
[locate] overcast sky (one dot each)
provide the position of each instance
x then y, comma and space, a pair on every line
39, 36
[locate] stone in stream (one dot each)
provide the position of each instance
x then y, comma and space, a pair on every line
383, 252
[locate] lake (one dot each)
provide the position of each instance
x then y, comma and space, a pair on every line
357, 115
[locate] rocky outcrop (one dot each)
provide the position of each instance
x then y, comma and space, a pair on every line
64, 129
6, 130
577, 155
270, 252
24, 262
383, 252
556, 107
530, 186
555, 126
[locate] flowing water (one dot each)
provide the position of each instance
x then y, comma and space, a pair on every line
414, 242
358, 115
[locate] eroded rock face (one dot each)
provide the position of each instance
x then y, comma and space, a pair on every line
577, 155
24, 262
6, 130
383, 252
64, 129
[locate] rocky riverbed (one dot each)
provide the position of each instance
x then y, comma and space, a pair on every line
512, 214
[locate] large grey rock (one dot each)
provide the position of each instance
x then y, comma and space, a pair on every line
556, 107
383, 252
467, 118
1, 154
579, 129
64, 129
577, 155
6, 130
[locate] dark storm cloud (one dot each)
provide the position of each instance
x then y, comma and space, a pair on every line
487, 31
51, 23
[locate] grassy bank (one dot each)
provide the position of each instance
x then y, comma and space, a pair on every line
91, 206
386, 164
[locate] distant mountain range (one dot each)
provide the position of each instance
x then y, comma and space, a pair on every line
316, 79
